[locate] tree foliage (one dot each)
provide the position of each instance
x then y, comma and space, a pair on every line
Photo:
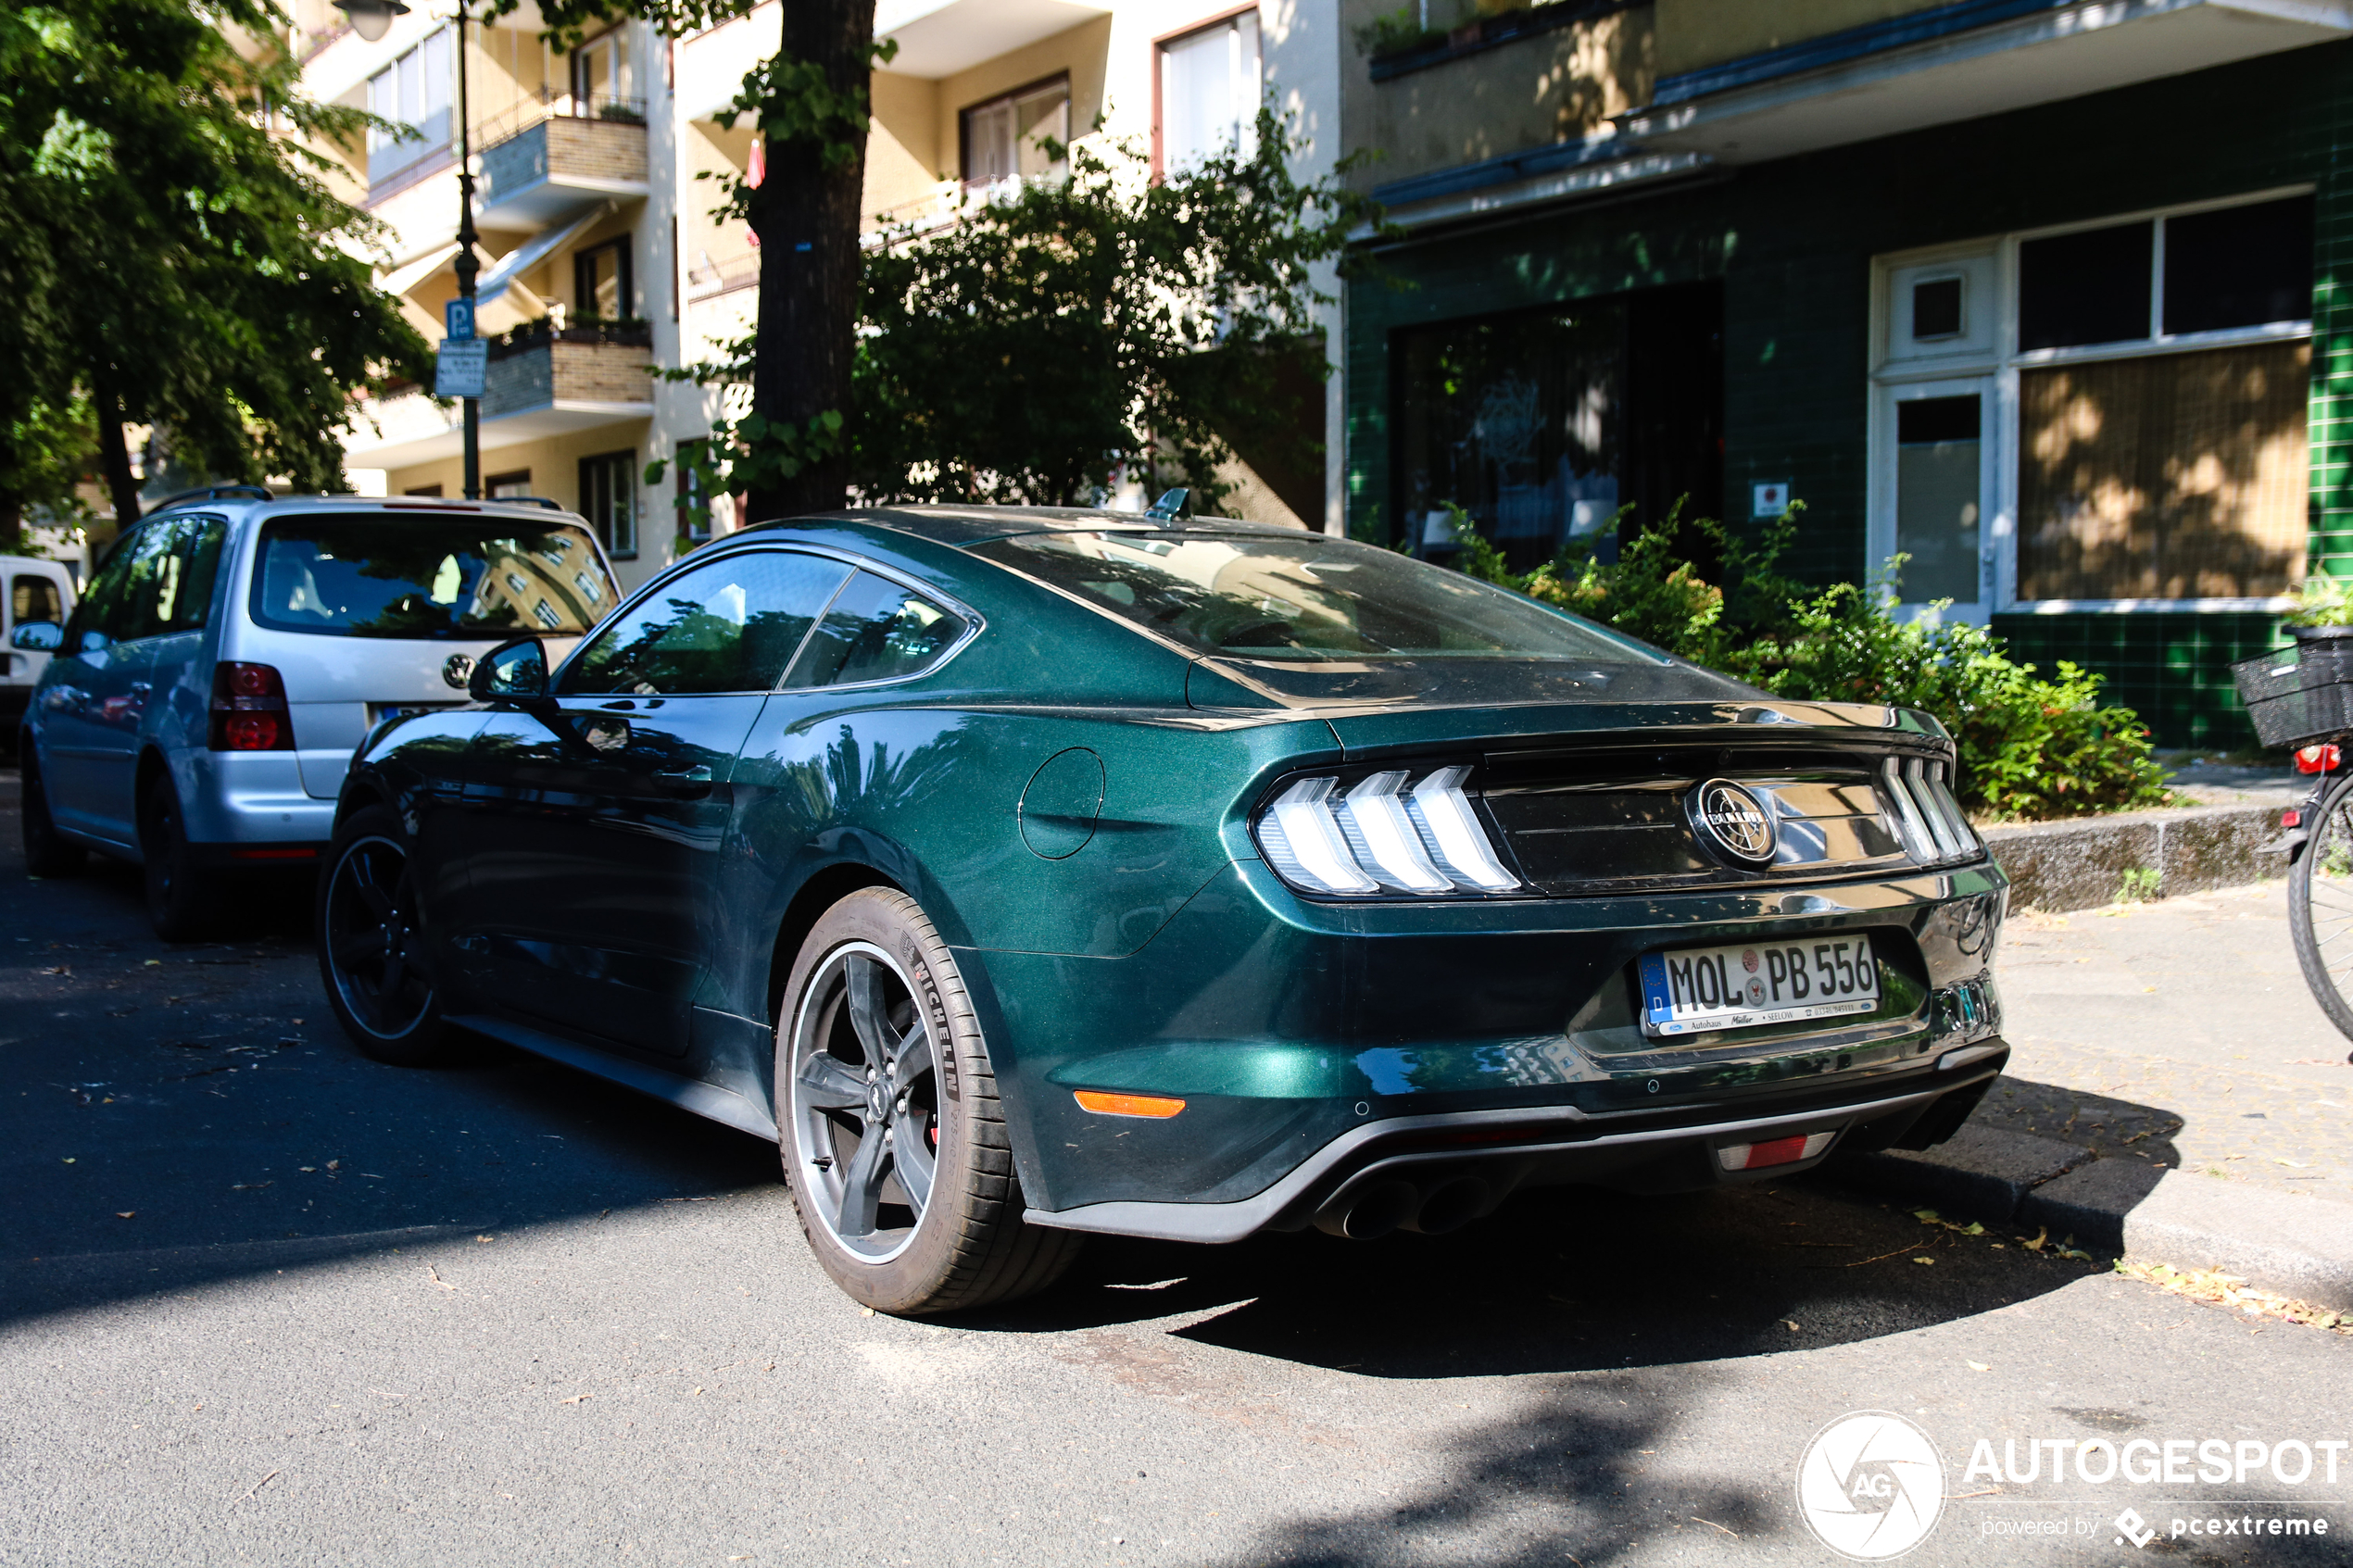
172, 254
2030, 746
809, 100
1044, 342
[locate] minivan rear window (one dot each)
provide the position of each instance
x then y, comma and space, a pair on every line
353, 576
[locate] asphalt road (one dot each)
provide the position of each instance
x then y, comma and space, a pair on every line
263, 1301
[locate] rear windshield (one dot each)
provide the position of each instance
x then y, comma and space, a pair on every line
1305, 597
360, 576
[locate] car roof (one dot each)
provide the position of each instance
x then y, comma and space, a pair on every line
961, 525
248, 507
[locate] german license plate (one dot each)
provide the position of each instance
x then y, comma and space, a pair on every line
1701, 989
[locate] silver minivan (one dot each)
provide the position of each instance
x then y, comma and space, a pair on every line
208, 691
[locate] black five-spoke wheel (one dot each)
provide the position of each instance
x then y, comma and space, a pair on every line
865, 1092
894, 1139
371, 944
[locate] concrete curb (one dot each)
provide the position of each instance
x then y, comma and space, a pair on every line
2081, 864
2299, 1247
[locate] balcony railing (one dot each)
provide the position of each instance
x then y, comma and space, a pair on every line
540, 364
560, 162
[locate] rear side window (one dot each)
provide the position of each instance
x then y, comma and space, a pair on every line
356, 575
728, 625
874, 630
34, 598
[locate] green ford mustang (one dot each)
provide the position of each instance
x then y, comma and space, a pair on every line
1028, 873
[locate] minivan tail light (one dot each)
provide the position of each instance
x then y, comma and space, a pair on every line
1380, 836
249, 709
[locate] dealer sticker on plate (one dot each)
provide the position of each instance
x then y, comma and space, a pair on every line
1706, 988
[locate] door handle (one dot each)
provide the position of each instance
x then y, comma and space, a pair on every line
692, 783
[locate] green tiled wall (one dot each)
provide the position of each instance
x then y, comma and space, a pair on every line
2174, 668
1792, 242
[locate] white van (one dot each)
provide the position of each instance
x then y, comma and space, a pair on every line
34, 590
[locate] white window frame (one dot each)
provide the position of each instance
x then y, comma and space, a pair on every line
2005, 362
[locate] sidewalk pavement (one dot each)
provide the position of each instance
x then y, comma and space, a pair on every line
2174, 1093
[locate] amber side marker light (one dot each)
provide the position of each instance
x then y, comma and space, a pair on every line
1157, 1107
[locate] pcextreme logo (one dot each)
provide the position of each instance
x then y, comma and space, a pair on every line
1870, 1486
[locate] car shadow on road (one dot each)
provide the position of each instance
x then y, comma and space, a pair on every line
1565, 1279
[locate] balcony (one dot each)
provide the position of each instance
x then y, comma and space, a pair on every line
583, 369
1956, 62
562, 163
938, 38
542, 382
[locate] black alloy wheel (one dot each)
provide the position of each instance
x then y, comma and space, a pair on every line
184, 901
46, 852
372, 946
893, 1139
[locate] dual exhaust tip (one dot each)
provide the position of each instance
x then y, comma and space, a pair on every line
1377, 1208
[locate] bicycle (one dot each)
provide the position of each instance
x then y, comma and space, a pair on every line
2302, 696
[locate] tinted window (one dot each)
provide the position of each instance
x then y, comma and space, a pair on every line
34, 598
1307, 597
99, 609
361, 576
168, 586
2089, 287
727, 626
874, 630
2241, 267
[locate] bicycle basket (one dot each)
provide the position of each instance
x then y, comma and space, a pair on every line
2301, 694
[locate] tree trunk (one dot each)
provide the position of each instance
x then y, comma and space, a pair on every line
114, 457
806, 216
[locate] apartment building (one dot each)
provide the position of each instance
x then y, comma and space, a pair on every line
2041, 294
602, 262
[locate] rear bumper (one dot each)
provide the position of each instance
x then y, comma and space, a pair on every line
1501, 1152
237, 801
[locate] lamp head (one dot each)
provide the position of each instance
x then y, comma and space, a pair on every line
371, 18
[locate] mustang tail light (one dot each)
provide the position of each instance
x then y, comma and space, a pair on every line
249, 710
1928, 819
1382, 836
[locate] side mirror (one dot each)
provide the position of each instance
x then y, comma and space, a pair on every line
513, 672
38, 636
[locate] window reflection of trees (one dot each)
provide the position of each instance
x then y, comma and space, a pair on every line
435, 581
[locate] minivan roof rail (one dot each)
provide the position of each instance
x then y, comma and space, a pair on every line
210, 493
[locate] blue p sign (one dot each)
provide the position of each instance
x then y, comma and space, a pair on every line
457, 319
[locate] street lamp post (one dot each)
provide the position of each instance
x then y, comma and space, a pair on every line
467, 264
371, 19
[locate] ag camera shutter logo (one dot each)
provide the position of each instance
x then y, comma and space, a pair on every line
1870, 1486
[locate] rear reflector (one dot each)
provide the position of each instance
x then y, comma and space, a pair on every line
277, 852
1155, 1106
1778, 1151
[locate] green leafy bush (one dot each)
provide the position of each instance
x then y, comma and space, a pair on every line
2029, 746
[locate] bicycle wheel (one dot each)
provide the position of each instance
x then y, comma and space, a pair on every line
2320, 905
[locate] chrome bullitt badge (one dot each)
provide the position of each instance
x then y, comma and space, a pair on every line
1730, 820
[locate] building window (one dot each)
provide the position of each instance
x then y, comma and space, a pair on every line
609, 500
1010, 135
499, 486
2160, 374
414, 91
1209, 87
1515, 420
604, 82
602, 288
